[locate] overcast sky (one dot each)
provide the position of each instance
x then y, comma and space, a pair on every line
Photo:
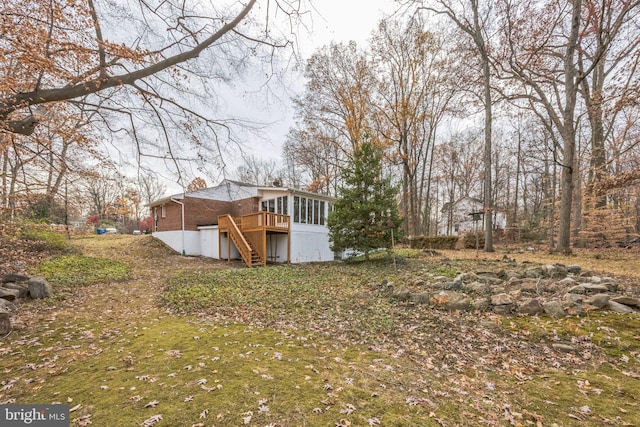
332, 20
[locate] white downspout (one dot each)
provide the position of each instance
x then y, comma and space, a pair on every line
182, 215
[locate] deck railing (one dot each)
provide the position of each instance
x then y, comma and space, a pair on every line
265, 221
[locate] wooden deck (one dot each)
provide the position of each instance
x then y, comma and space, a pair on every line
249, 234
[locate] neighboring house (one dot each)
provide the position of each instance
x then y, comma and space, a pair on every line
242, 221
467, 214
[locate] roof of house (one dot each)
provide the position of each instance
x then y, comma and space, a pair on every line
230, 190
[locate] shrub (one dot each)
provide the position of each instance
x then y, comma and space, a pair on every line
474, 239
433, 242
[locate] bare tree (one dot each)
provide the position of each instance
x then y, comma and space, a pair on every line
473, 18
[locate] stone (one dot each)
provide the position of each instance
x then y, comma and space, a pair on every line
568, 281
563, 348
513, 275
504, 309
576, 310
467, 277
628, 301
578, 289
451, 301
574, 269
554, 309
9, 294
23, 290
598, 300
533, 272
610, 283
5, 322
401, 294
572, 298
453, 286
501, 299
477, 287
4, 278
489, 277
481, 304
39, 288
588, 288
7, 305
531, 306
533, 286
595, 288
421, 298
616, 307
440, 279
555, 271
586, 273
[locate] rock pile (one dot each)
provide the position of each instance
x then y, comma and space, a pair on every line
18, 286
555, 290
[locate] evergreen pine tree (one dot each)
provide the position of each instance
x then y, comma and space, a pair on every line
365, 204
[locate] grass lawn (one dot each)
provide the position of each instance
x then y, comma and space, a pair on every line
138, 335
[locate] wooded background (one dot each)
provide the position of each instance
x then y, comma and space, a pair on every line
531, 107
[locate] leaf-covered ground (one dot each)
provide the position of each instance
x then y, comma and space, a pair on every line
154, 338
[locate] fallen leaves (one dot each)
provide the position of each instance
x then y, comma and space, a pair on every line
152, 420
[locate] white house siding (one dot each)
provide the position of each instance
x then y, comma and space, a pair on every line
173, 239
310, 243
209, 241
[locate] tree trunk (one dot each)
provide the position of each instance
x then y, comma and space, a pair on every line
488, 206
568, 133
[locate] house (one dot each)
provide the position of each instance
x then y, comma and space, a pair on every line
254, 223
467, 215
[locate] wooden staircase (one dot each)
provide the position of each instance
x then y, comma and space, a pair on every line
249, 234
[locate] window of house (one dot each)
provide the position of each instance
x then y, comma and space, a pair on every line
316, 211
163, 211
296, 209
303, 210
281, 203
309, 211
322, 214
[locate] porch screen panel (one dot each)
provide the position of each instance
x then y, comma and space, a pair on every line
316, 211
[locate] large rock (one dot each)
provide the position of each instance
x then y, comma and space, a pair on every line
501, 299
610, 283
7, 305
421, 298
11, 277
451, 301
5, 322
598, 300
555, 271
39, 288
533, 272
477, 287
568, 281
531, 306
589, 288
554, 309
631, 302
9, 294
23, 290
616, 307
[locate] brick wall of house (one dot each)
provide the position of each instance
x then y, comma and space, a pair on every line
246, 206
201, 212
